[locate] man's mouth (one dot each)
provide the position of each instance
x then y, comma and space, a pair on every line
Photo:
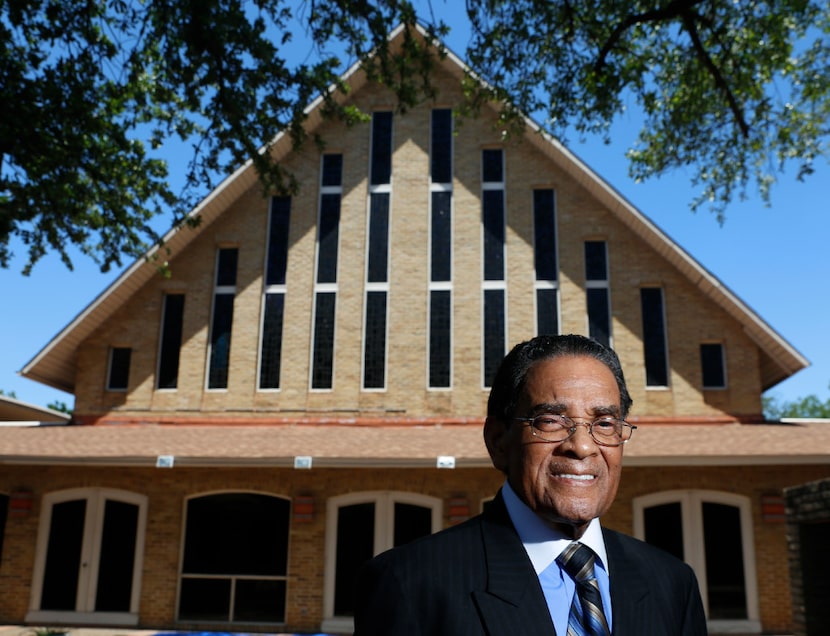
576, 477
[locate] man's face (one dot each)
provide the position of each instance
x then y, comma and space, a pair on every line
566, 483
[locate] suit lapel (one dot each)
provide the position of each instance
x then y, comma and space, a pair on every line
513, 601
629, 587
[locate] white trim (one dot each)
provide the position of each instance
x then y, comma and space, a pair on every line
180, 575
691, 502
384, 501
95, 499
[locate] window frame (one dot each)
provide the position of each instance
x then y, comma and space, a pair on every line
440, 282
224, 294
544, 285
691, 505
331, 185
96, 499
598, 287
384, 501
274, 288
180, 574
703, 374
665, 338
111, 360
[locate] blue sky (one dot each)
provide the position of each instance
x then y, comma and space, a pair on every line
774, 258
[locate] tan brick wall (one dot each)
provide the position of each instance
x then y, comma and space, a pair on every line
167, 490
691, 317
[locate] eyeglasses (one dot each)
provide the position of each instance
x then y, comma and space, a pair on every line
605, 431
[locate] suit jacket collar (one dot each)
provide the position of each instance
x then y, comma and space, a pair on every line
629, 586
513, 601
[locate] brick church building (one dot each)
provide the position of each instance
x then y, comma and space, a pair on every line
308, 387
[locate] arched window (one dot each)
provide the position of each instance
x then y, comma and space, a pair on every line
712, 532
361, 525
88, 562
235, 558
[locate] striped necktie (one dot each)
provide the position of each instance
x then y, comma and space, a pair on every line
586, 617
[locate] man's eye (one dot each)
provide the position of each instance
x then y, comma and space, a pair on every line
548, 421
605, 423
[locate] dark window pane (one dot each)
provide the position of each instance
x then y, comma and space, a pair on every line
711, 364
411, 522
378, 238
327, 238
492, 213
205, 600
226, 267
63, 556
724, 561
278, 241
323, 358
439, 339
236, 533
441, 252
119, 376
599, 315
4, 512
491, 166
544, 233
374, 364
814, 552
664, 527
494, 338
332, 170
547, 312
596, 260
441, 148
259, 601
220, 341
269, 371
355, 545
381, 170
115, 570
654, 337
171, 341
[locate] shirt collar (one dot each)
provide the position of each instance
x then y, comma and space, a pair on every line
543, 543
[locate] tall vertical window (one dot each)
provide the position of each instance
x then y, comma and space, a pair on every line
270, 356
4, 511
712, 365
654, 337
325, 287
170, 342
493, 283
377, 261
440, 271
224, 293
118, 374
545, 262
596, 292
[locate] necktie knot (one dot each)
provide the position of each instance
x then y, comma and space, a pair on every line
578, 561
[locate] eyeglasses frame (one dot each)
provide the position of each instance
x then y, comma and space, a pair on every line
574, 425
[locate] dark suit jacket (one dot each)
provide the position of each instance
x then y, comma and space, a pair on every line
476, 578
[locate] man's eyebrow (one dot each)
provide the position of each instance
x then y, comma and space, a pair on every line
549, 407
561, 408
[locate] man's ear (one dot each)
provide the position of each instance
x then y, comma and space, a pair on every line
495, 438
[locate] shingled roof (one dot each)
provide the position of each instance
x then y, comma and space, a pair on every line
362, 446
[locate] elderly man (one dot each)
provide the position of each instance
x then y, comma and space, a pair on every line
537, 560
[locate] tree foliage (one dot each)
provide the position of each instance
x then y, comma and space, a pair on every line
810, 406
93, 93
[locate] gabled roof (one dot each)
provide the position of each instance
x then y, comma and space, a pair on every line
54, 365
16, 412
